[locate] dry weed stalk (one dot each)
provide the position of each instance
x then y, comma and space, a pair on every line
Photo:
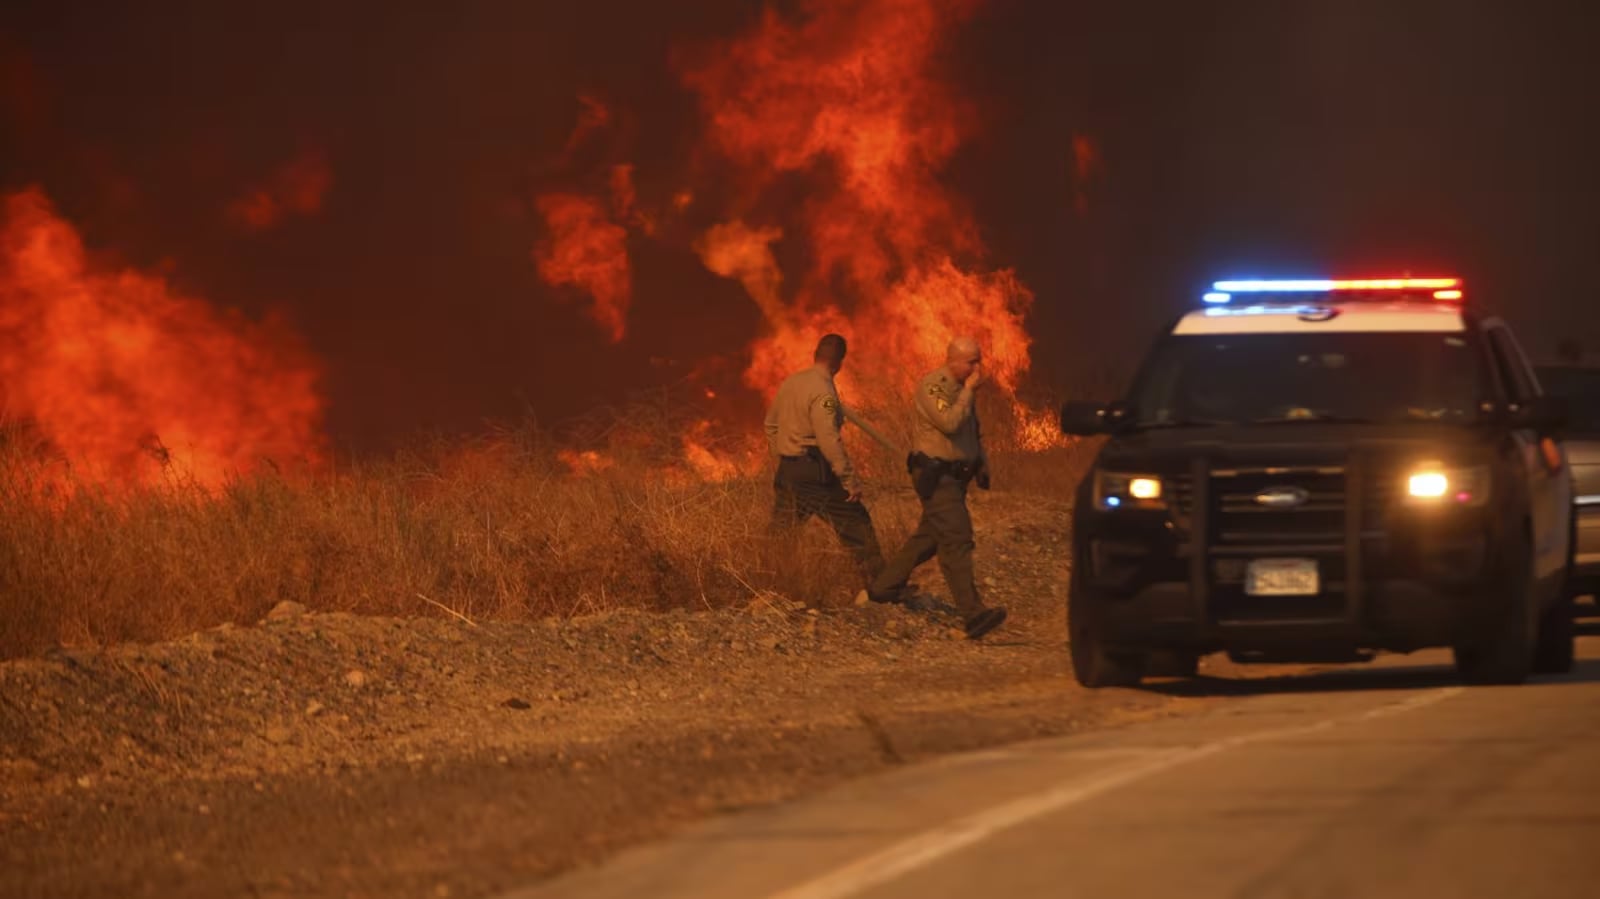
480, 530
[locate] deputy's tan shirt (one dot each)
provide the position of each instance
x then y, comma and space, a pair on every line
806, 412
946, 420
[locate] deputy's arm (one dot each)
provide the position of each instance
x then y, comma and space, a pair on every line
949, 419
829, 441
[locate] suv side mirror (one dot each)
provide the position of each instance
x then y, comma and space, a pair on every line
1089, 419
1545, 414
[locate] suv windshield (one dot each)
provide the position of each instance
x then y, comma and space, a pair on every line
1250, 378
1581, 387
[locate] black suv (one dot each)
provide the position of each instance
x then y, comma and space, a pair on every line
1318, 471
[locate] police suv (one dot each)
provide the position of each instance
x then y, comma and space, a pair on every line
1319, 470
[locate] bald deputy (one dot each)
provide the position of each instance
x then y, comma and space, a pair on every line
947, 456
815, 475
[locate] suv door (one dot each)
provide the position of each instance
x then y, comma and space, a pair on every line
1543, 458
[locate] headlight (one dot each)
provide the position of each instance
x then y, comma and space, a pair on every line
1432, 484
1428, 485
1128, 491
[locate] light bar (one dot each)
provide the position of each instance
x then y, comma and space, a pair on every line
1324, 286
1216, 297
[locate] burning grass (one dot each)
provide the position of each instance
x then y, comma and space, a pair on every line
492, 529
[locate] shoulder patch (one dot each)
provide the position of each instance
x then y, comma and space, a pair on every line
829, 403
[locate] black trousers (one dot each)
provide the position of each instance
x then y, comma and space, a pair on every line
945, 531
805, 486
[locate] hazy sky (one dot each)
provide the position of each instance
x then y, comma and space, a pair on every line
1233, 138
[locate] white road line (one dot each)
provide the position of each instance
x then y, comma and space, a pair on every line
987, 756
932, 845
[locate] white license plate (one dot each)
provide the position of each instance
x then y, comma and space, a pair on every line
1282, 577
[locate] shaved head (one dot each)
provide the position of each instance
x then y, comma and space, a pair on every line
962, 357
961, 348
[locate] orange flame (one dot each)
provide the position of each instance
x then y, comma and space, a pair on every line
125, 377
585, 462
1036, 430
710, 462
849, 97
588, 251
735, 250
298, 188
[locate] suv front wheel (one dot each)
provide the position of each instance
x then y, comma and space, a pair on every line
1094, 663
1503, 650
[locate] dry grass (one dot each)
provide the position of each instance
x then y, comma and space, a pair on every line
496, 528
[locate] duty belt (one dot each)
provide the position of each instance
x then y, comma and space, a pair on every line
960, 469
809, 452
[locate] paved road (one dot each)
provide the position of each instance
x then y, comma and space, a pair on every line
1382, 780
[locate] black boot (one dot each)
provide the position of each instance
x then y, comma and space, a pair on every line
893, 598
984, 622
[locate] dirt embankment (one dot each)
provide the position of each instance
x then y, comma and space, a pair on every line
332, 754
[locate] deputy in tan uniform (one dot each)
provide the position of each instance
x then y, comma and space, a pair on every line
947, 455
815, 475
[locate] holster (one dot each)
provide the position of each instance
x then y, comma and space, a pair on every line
925, 472
824, 468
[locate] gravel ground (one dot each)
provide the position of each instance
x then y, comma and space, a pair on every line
334, 755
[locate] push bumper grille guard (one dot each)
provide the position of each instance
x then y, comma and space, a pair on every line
1205, 546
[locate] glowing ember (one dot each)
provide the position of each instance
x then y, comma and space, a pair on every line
588, 251
131, 382
297, 188
849, 98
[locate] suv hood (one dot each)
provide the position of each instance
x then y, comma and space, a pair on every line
1168, 450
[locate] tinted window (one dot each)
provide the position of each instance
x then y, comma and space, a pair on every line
1293, 377
1514, 371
